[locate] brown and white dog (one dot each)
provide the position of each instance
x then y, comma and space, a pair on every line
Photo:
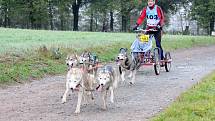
89, 62
78, 79
72, 61
107, 80
126, 64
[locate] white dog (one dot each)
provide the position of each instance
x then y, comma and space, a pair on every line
108, 81
72, 61
78, 79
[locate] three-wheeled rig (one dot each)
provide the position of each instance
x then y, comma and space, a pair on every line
143, 52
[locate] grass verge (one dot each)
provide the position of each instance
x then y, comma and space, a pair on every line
197, 104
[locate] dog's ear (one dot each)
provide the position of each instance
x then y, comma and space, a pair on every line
90, 55
123, 50
82, 54
76, 56
120, 50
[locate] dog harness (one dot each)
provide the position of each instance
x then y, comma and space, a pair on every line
152, 17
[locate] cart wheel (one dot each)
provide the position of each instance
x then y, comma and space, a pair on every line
157, 66
167, 64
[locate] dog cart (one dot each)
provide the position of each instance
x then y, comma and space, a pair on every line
145, 55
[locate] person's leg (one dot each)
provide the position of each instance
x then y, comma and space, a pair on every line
157, 36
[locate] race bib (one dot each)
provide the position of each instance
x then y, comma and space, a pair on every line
144, 38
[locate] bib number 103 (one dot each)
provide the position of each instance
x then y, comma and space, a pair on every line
152, 17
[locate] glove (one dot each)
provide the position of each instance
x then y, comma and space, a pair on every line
158, 27
135, 27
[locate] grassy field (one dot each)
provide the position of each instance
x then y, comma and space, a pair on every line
23, 57
197, 104
15, 40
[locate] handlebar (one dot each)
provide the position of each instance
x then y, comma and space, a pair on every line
142, 30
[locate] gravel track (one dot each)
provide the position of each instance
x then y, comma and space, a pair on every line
40, 100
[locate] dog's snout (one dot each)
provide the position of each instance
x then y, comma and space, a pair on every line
67, 64
102, 84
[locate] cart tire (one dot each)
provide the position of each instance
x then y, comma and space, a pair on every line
157, 66
168, 64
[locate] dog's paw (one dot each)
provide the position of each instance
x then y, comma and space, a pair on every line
123, 78
104, 108
63, 101
77, 111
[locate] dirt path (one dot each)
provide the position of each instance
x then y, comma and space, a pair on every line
40, 100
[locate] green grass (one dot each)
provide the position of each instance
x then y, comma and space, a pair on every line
197, 104
21, 56
15, 40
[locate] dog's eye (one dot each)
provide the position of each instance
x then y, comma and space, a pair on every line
100, 78
75, 81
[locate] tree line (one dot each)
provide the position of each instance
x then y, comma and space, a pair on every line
93, 15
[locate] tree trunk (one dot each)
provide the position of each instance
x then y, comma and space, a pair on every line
8, 22
39, 24
111, 20
62, 22
181, 21
1, 22
31, 15
27, 25
124, 23
104, 24
91, 22
51, 15
208, 30
198, 26
211, 26
6, 17
75, 7
128, 22
96, 22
